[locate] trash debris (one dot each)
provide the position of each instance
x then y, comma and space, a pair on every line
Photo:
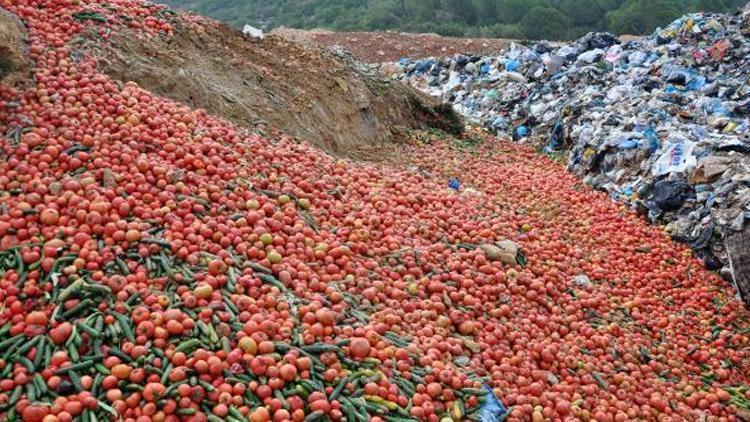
492, 409
253, 32
738, 249
581, 281
669, 196
505, 251
661, 122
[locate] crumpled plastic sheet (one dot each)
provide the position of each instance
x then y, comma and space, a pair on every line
492, 410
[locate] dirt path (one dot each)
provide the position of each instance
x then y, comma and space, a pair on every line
378, 47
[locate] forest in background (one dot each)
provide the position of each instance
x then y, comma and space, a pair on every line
521, 19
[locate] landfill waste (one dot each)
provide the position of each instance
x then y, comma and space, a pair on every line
739, 257
660, 122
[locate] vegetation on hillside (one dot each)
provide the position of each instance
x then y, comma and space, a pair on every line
551, 19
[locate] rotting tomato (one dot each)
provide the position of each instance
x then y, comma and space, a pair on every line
165, 262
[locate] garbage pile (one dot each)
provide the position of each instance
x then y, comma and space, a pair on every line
660, 122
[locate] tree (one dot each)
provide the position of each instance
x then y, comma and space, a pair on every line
511, 11
544, 23
486, 11
710, 5
462, 9
582, 12
511, 18
380, 17
607, 5
422, 10
641, 16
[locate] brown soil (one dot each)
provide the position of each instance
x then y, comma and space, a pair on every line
304, 91
14, 62
379, 47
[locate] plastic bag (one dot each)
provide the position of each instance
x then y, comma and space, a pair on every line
677, 157
591, 56
670, 195
492, 410
719, 50
484, 69
253, 31
553, 64
556, 139
511, 65
653, 138
521, 132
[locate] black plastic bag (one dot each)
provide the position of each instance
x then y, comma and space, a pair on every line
670, 195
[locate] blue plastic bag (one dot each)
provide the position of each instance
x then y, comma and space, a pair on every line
696, 83
628, 144
492, 410
521, 132
653, 138
556, 138
423, 66
512, 65
454, 184
484, 69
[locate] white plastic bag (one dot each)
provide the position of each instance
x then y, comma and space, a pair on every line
253, 31
677, 157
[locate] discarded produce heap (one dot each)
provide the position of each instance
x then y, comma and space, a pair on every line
161, 263
661, 122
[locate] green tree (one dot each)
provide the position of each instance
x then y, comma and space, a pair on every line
544, 23
582, 12
511, 11
486, 11
422, 10
502, 18
608, 5
642, 16
710, 5
462, 9
381, 17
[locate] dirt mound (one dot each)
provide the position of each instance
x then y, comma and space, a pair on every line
304, 91
14, 62
378, 47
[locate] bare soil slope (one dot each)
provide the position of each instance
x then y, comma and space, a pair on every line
304, 91
14, 63
379, 47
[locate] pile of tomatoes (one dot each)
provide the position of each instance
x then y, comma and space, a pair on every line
158, 263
